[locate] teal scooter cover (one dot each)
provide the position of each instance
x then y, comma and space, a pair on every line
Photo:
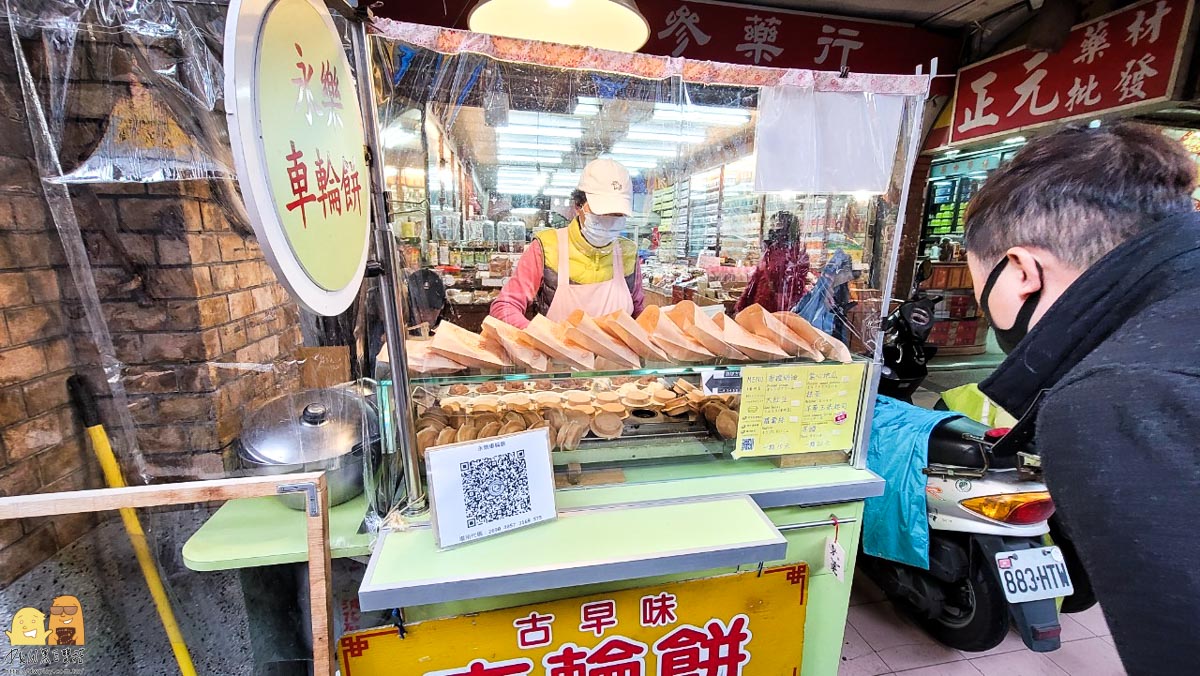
896, 524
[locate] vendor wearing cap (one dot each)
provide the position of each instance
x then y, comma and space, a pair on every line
602, 267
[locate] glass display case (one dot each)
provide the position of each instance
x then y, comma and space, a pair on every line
624, 395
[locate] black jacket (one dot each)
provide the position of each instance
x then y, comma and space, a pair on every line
1118, 428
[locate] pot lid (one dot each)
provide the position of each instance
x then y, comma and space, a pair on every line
307, 426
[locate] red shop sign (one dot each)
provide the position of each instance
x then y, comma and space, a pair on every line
1121, 60
758, 36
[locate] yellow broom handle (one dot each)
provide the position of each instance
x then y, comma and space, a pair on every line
137, 536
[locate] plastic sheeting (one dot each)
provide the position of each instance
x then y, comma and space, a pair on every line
896, 524
169, 310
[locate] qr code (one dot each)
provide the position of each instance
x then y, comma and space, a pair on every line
495, 488
748, 444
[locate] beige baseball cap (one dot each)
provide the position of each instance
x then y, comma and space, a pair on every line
606, 183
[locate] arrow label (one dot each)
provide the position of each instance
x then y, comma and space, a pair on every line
720, 381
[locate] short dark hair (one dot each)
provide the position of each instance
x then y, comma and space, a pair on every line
578, 198
1080, 192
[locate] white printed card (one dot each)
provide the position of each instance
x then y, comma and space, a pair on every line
486, 487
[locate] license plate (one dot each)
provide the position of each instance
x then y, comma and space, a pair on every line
1033, 574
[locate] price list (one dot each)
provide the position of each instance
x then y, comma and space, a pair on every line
798, 409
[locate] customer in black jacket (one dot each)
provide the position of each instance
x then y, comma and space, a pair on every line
1085, 252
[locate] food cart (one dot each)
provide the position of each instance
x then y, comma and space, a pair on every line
706, 469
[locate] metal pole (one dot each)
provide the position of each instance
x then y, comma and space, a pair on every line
395, 293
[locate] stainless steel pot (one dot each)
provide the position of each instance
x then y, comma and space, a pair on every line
309, 431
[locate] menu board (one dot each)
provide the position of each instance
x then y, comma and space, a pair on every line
798, 409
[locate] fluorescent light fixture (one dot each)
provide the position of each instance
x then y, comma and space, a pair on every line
585, 110
588, 101
532, 159
397, 137
519, 189
513, 144
628, 149
1014, 140
714, 115
665, 136
543, 119
953, 152
528, 130
628, 162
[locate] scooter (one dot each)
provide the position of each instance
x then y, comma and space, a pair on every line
988, 512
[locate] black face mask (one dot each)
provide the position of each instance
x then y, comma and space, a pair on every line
1008, 338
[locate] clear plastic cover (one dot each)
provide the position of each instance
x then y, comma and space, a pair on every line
761, 229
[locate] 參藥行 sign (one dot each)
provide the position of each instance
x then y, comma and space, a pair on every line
1125, 59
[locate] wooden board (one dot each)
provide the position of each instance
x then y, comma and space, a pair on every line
811, 459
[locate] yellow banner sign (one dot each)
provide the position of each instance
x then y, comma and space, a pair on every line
798, 409
748, 624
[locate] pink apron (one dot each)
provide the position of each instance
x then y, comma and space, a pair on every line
594, 299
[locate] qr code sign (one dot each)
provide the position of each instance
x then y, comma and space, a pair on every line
495, 488
748, 444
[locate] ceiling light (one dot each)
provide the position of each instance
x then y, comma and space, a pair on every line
628, 162
549, 146
1014, 140
397, 137
664, 137
543, 119
532, 159
529, 130
666, 112
585, 110
609, 24
1094, 124
557, 192
953, 152
624, 149
588, 101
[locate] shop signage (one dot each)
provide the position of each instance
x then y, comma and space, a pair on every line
296, 131
971, 165
798, 409
747, 623
714, 31
1129, 58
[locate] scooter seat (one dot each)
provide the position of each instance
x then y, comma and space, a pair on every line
959, 442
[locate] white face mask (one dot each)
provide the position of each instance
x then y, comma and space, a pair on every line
601, 230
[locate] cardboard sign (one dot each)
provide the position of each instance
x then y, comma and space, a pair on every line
747, 623
798, 409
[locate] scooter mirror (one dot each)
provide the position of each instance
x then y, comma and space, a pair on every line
924, 270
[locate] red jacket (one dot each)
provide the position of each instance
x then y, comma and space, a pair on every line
779, 281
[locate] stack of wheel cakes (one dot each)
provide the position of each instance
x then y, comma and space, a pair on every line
681, 334
571, 409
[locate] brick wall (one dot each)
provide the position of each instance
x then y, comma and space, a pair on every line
196, 316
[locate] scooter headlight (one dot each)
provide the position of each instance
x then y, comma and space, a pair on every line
1018, 509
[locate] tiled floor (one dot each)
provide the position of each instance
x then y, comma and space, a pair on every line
879, 641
